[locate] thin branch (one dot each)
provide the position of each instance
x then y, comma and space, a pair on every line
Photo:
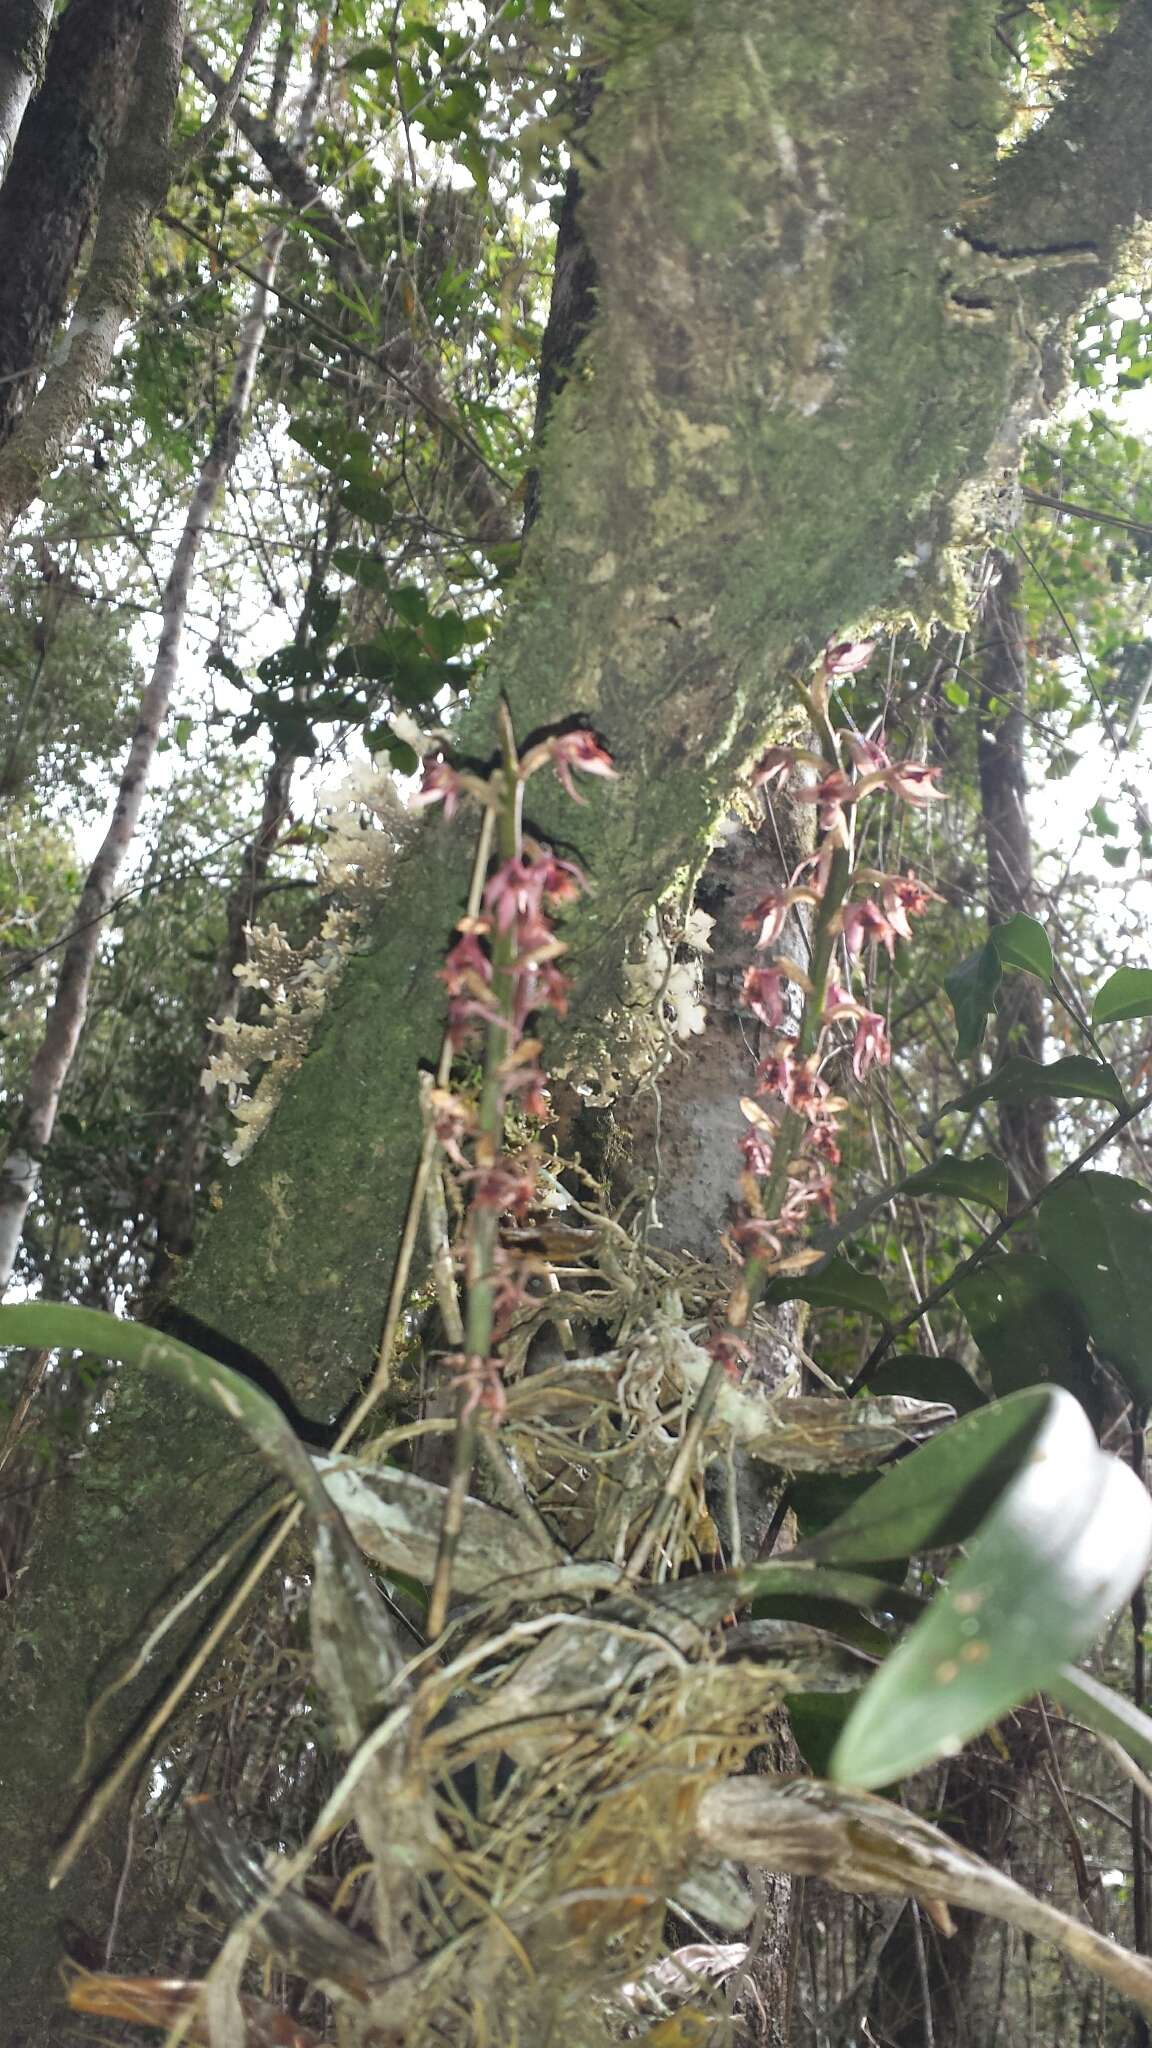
229, 91
1086, 512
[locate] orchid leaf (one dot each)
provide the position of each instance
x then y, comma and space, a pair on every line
940, 1494
1062, 1547
925, 1378
1108, 1712
834, 1285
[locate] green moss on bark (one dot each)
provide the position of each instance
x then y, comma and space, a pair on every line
764, 440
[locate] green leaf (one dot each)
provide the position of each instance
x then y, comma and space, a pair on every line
817, 1723
1029, 1327
355, 1656
1022, 1080
45, 1326
928, 1379
364, 568
1097, 1231
940, 1494
368, 501
1127, 993
766, 1586
971, 990
1106, 1711
984, 1179
445, 634
1023, 943
1068, 1538
835, 1285
370, 57
1104, 823
409, 603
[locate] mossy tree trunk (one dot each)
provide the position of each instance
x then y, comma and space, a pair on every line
825, 313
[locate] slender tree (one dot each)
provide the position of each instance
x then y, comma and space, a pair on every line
36, 1117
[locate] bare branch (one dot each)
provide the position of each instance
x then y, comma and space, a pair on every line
863, 1844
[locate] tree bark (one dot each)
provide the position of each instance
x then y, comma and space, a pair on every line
23, 41
134, 187
782, 416
1008, 855
50, 195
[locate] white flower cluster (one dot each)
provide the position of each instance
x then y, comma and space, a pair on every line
665, 1004
365, 821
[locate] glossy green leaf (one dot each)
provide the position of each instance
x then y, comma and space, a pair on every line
767, 1586
983, 1179
1106, 1711
1029, 1326
835, 1285
767, 1589
1024, 1080
1067, 1539
1127, 993
1097, 1232
940, 1494
971, 990
1023, 943
924, 1378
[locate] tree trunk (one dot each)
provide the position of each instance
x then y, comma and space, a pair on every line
779, 418
134, 187
23, 40
49, 198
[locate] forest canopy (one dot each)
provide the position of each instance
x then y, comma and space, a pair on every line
575, 1206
